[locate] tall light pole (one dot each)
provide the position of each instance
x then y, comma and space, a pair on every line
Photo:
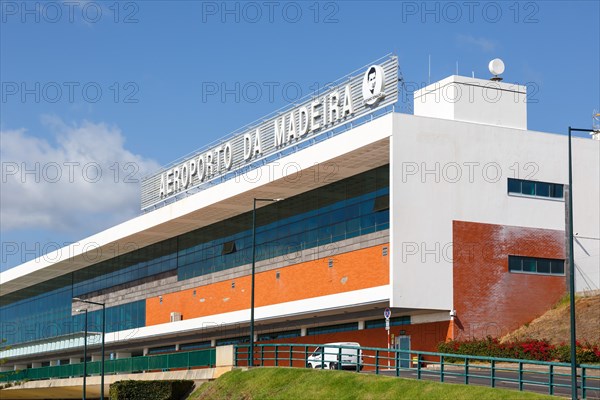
85, 334
103, 334
572, 270
251, 361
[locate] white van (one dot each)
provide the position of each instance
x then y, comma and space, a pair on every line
331, 354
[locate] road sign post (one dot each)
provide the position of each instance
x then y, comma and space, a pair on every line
387, 313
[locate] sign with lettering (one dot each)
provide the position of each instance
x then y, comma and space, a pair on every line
356, 96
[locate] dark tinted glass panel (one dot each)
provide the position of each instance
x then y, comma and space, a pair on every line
279, 335
332, 328
557, 191
380, 323
193, 346
514, 263
543, 266
514, 186
529, 265
528, 188
542, 189
557, 267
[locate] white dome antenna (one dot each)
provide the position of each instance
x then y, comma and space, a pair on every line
496, 67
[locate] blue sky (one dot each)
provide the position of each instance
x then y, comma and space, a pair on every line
95, 94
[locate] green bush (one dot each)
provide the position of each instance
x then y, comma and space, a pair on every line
150, 390
531, 349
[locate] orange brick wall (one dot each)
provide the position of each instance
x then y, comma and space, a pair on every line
488, 299
354, 270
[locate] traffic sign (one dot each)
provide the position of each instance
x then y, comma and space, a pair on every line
387, 313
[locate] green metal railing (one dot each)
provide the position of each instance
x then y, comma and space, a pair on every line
488, 371
164, 362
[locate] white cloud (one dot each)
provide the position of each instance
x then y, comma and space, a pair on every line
481, 43
83, 182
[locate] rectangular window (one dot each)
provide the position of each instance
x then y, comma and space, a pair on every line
234, 340
380, 323
318, 330
279, 335
194, 346
162, 349
531, 265
536, 189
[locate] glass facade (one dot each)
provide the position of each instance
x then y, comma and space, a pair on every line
351, 207
348, 208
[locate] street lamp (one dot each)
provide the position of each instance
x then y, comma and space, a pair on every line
251, 362
572, 270
103, 334
85, 334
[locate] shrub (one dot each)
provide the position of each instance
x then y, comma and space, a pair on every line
530, 349
150, 390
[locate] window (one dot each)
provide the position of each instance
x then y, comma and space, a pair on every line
352, 326
234, 340
162, 349
279, 335
530, 265
194, 346
380, 323
382, 203
536, 189
228, 247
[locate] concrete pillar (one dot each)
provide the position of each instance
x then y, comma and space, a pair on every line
224, 360
361, 325
145, 351
122, 355
5, 368
54, 363
19, 367
176, 346
96, 357
36, 365
302, 331
74, 360
213, 342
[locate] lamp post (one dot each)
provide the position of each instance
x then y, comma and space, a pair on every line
103, 334
572, 270
85, 334
251, 362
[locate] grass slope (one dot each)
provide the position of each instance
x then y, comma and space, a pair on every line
293, 383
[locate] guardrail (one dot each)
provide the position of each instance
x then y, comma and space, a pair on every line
488, 371
163, 362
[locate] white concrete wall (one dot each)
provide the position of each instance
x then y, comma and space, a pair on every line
474, 100
447, 170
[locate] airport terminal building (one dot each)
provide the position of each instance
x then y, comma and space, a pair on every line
453, 217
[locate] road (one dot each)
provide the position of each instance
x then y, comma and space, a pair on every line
504, 379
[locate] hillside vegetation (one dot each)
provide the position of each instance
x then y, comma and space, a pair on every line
554, 324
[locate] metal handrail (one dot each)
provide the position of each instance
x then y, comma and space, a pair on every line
412, 364
163, 362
